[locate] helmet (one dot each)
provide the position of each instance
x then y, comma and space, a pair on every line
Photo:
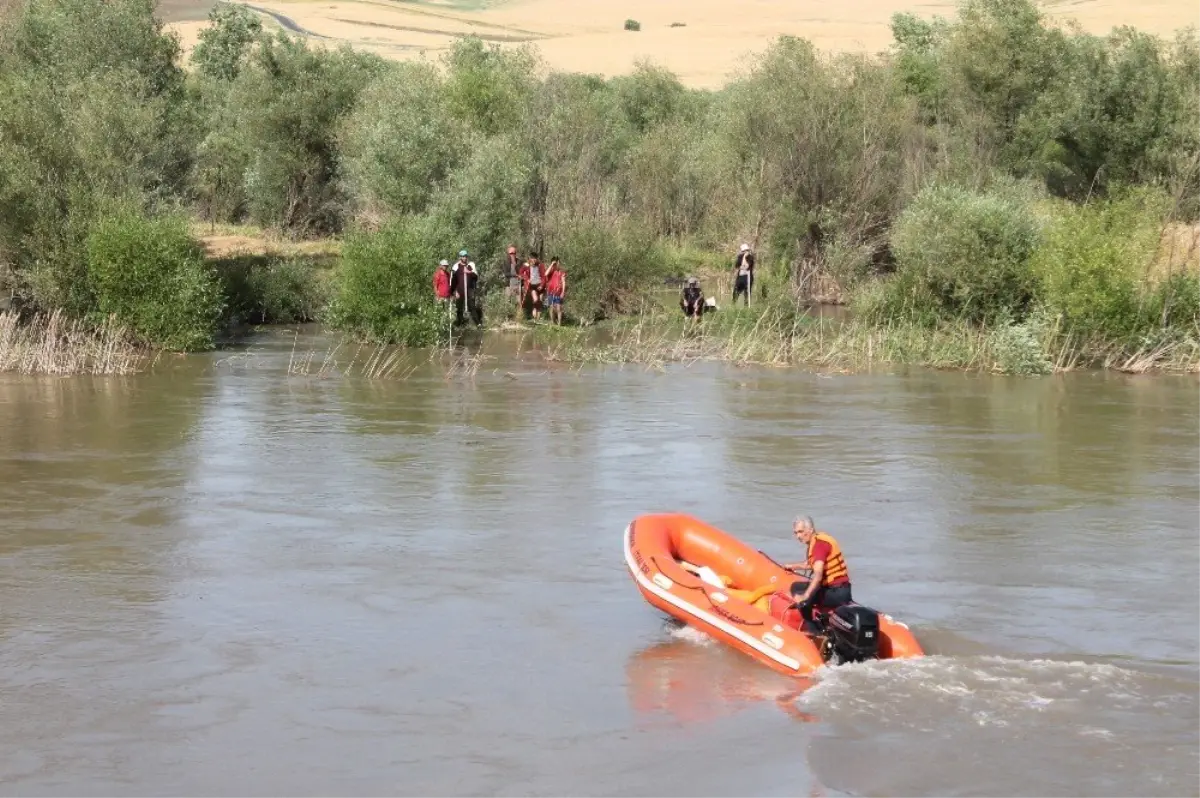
745, 247
462, 253
444, 262
692, 281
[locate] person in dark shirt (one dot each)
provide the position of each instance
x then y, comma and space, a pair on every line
691, 299
465, 281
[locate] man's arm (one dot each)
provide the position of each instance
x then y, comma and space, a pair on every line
818, 570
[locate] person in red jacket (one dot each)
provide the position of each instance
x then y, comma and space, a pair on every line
556, 289
441, 281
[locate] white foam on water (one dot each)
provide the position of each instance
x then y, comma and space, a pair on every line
996, 689
1047, 718
691, 634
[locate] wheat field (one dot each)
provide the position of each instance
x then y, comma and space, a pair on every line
705, 42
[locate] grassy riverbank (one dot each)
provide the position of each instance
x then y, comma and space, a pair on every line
959, 192
770, 338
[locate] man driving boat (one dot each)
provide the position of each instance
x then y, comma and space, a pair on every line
829, 585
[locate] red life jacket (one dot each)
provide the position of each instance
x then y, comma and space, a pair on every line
554, 281
441, 284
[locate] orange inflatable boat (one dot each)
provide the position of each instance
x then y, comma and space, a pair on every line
712, 581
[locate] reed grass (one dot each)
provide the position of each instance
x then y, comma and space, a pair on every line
780, 339
370, 361
349, 358
57, 345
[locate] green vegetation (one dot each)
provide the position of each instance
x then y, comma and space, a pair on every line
383, 287
149, 275
994, 193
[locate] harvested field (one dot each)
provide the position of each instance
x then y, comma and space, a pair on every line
704, 42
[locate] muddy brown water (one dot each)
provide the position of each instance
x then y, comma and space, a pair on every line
216, 579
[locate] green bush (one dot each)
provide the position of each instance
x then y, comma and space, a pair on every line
1148, 121
261, 290
830, 155
92, 109
152, 276
224, 45
481, 208
1020, 347
270, 151
901, 297
968, 252
397, 149
632, 24
611, 269
1175, 303
489, 88
1092, 261
651, 96
384, 288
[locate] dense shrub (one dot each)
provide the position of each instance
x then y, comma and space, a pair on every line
1174, 303
384, 289
92, 109
968, 251
1093, 263
152, 276
224, 45
489, 88
264, 290
271, 153
830, 161
610, 269
401, 143
481, 209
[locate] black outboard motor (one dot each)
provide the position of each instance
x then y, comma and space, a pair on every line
854, 632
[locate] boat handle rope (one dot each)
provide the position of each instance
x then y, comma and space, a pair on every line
704, 593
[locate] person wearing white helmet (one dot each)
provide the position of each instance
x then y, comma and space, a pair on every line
743, 273
466, 280
441, 281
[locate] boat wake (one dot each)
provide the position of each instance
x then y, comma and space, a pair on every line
1073, 727
990, 690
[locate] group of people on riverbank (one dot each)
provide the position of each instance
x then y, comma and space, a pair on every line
534, 285
692, 300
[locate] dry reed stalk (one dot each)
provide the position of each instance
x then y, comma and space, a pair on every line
55, 344
369, 361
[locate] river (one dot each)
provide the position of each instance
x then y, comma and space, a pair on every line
218, 579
